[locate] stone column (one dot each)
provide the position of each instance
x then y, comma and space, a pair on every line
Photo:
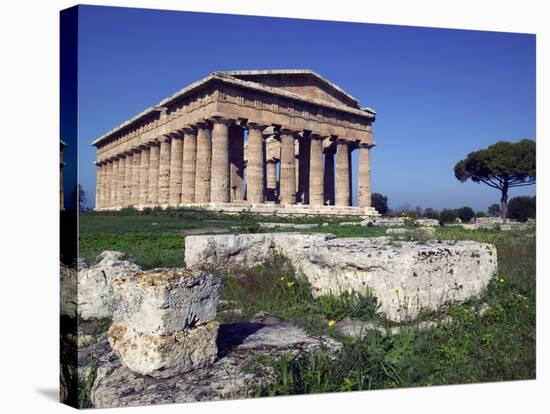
164, 171
144, 177
364, 180
316, 171
329, 175
271, 179
176, 164
107, 184
98, 177
154, 161
128, 179
219, 189
136, 175
342, 174
121, 179
288, 168
255, 167
204, 162
189, 165
114, 184
236, 162
303, 171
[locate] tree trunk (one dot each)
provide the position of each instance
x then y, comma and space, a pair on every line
504, 203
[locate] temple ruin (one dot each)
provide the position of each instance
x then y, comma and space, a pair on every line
265, 141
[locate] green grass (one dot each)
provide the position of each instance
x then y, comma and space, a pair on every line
494, 346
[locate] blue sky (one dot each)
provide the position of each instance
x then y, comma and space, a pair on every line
438, 93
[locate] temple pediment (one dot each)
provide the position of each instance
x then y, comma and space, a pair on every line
303, 82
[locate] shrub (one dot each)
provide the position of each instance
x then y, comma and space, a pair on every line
521, 208
494, 210
465, 213
448, 215
430, 213
380, 203
481, 214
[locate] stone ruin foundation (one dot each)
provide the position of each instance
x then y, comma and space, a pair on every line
163, 320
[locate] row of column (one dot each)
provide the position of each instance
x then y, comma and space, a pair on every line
205, 163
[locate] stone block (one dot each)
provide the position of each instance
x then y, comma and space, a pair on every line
404, 276
163, 321
164, 356
89, 292
164, 301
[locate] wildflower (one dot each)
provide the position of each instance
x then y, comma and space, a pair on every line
396, 290
290, 284
501, 280
412, 238
282, 278
331, 323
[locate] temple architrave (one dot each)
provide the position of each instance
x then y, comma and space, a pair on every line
265, 141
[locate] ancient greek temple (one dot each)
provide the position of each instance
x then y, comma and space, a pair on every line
266, 141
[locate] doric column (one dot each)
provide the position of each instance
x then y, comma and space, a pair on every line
219, 189
107, 184
271, 179
342, 174
164, 171
144, 177
114, 184
288, 168
236, 163
364, 180
329, 175
128, 179
136, 175
154, 161
204, 162
316, 171
302, 170
189, 165
254, 166
121, 179
176, 164
98, 177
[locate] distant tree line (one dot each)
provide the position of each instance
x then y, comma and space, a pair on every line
519, 208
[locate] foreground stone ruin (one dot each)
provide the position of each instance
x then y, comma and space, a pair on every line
404, 276
163, 322
229, 377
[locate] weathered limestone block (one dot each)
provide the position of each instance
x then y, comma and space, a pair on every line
243, 250
95, 289
164, 301
427, 222
163, 321
227, 378
164, 356
404, 276
422, 231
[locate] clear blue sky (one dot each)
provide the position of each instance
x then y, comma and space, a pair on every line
438, 93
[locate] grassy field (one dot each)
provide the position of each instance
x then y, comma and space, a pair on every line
471, 346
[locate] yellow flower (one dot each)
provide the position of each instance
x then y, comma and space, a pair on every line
501, 280
396, 290
412, 238
282, 278
290, 284
331, 323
